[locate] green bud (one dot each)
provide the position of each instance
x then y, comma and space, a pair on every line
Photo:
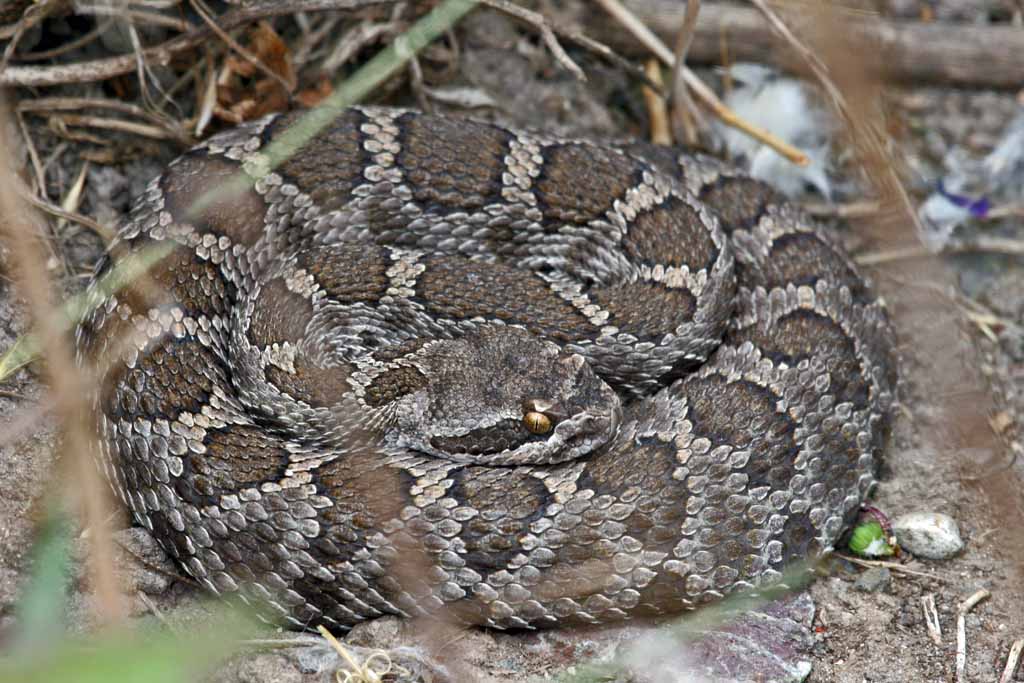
868, 540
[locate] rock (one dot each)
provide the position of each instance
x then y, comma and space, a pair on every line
772, 642
873, 580
317, 658
145, 566
265, 667
932, 535
383, 632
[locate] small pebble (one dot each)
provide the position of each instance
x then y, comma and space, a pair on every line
928, 534
873, 580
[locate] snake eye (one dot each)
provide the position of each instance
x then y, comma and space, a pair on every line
539, 415
537, 423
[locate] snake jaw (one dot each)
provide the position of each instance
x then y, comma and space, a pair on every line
586, 432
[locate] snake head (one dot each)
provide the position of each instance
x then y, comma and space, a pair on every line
501, 396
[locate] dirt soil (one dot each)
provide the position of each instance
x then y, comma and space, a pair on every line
949, 450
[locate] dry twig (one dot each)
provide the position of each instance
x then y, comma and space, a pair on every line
684, 113
376, 665
48, 105
69, 46
134, 16
101, 69
33, 15
856, 209
976, 597
703, 93
156, 612
657, 108
961, 629
547, 34
961, 646
894, 566
1012, 660
355, 40
931, 618
45, 205
103, 123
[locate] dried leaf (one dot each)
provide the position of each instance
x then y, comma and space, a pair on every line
244, 90
310, 97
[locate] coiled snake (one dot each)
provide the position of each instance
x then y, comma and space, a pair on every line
428, 363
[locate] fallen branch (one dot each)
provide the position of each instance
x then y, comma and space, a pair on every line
893, 566
913, 52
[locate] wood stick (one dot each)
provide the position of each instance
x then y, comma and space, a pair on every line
961, 647
931, 618
913, 52
1011, 661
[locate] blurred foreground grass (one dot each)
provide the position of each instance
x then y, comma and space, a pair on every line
41, 651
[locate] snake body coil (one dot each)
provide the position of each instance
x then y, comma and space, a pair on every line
428, 363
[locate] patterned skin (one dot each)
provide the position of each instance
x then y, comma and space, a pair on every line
429, 364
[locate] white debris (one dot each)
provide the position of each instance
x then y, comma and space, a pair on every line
781, 106
971, 186
1005, 164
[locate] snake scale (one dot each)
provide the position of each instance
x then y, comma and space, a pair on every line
431, 364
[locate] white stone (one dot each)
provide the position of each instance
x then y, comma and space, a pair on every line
928, 534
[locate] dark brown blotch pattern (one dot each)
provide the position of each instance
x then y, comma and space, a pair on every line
180, 278
647, 310
505, 435
804, 258
580, 182
354, 513
319, 387
236, 457
803, 334
198, 286
654, 519
461, 289
386, 354
214, 195
279, 315
170, 377
349, 273
393, 384
740, 202
672, 233
330, 165
354, 516
452, 164
743, 415
492, 540
664, 159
